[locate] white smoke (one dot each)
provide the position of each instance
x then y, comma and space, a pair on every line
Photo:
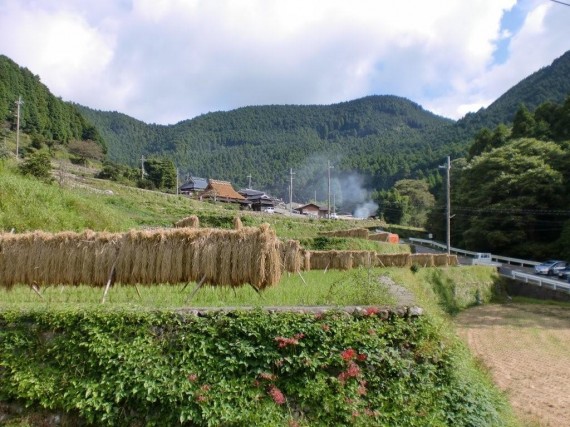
365, 209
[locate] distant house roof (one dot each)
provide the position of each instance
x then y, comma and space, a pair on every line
222, 189
310, 206
194, 183
248, 192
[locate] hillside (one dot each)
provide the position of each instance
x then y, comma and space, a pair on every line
266, 141
382, 138
43, 116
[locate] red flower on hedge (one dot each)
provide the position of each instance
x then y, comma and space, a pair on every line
348, 354
192, 378
352, 371
267, 376
369, 311
284, 341
277, 395
361, 357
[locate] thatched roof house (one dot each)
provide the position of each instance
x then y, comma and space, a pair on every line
222, 191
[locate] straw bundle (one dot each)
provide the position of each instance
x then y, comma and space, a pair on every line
363, 259
189, 222
423, 260
393, 260
361, 233
292, 256
237, 223
440, 260
220, 257
339, 260
306, 260
452, 260
380, 236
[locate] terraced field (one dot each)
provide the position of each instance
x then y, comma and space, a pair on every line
527, 349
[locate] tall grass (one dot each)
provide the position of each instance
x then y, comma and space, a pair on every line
29, 204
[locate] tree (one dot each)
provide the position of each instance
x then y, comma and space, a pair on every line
37, 164
420, 200
86, 150
523, 124
503, 193
161, 172
393, 206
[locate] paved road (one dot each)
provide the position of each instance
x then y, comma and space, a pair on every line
505, 269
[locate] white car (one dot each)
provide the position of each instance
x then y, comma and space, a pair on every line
269, 210
550, 267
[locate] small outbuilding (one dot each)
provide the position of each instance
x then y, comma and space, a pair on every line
313, 210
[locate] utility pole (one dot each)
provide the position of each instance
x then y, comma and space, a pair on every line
19, 102
177, 181
334, 203
447, 168
249, 185
291, 173
329, 167
142, 167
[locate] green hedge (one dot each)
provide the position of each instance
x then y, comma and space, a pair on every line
241, 368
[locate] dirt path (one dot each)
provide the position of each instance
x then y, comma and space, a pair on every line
527, 349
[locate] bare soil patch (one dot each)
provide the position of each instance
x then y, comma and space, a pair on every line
527, 350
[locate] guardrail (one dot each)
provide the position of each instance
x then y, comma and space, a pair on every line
539, 281
498, 258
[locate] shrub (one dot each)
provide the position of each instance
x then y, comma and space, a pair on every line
37, 164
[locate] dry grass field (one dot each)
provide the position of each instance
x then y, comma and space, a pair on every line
526, 347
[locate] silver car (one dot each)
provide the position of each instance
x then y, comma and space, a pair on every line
551, 267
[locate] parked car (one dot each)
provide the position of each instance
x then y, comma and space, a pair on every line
550, 267
564, 274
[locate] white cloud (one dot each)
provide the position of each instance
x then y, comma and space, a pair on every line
542, 38
168, 60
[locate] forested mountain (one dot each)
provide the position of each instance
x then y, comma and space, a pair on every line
42, 115
551, 83
381, 137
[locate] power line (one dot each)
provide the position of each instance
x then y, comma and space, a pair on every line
560, 2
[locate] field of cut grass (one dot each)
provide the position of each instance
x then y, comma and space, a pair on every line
315, 288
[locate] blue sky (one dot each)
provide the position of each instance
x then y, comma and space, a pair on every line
162, 61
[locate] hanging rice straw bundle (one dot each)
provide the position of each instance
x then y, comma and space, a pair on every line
363, 259
220, 257
338, 260
380, 236
440, 260
423, 260
393, 260
361, 233
292, 256
189, 222
237, 223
